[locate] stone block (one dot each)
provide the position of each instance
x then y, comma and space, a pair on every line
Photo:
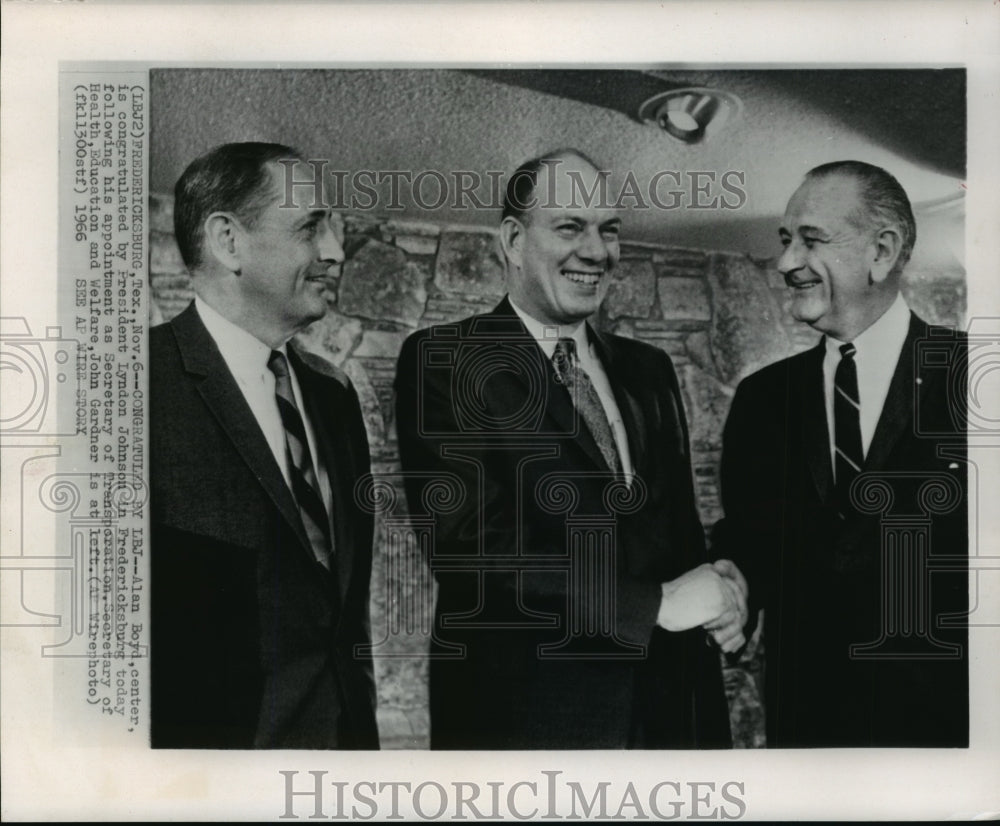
161, 212
164, 256
673, 347
361, 224
443, 309
707, 403
405, 680
746, 711
333, 337
394, 729
171, 281
170, 308
420, 721
170, 294
676, 271
423, 229
625, 328
632, 293
417, 244
684, 299
416, 237
469, 262
775, 279
380, 344
371, 409
699, 350
637, 249
746, 330
379, 283
936, 299
182, 297
155, 313
401, 585
679, 257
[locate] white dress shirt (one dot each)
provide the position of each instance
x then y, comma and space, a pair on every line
246, 357
878, 350
547, 335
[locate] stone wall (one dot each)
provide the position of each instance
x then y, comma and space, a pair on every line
719, 315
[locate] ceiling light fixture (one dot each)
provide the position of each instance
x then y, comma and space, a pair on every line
691, 115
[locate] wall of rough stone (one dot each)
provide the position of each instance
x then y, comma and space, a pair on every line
719, 315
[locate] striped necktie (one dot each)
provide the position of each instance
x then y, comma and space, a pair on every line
588, 403
846, 425
305, 485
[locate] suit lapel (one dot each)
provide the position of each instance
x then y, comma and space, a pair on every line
815, 429
224, 399
321, 397
900, 402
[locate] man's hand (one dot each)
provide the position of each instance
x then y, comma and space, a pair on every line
735, 579
695, 598
727, 630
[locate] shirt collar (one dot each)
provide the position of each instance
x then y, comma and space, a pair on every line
882, 340
548, 334
243, 352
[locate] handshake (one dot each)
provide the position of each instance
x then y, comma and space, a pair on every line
713, 597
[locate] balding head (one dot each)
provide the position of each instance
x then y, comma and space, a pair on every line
561, 245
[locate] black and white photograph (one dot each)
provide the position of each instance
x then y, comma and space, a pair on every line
477, 437
438, 288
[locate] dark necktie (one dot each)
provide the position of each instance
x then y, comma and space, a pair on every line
846, 425
588, 403
305, 485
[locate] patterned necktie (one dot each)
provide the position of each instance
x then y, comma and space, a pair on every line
588, 403
846, 425
305, 485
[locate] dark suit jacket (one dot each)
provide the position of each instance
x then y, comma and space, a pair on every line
549, 573
252, 639
829, 583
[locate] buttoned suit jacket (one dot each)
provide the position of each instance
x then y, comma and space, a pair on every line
832, 585
253, 641
519, 659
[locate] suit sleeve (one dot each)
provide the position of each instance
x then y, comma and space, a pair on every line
750, 529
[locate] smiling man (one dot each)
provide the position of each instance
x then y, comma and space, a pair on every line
844, 486
261, 558
575, 606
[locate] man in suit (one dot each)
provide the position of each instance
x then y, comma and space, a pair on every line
576, 608
260, 557
844, 484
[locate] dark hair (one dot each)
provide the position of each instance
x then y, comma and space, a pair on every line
885, 201
233, 178
519, 196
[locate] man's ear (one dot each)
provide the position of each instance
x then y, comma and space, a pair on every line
887, 245
222, 240
512, 239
